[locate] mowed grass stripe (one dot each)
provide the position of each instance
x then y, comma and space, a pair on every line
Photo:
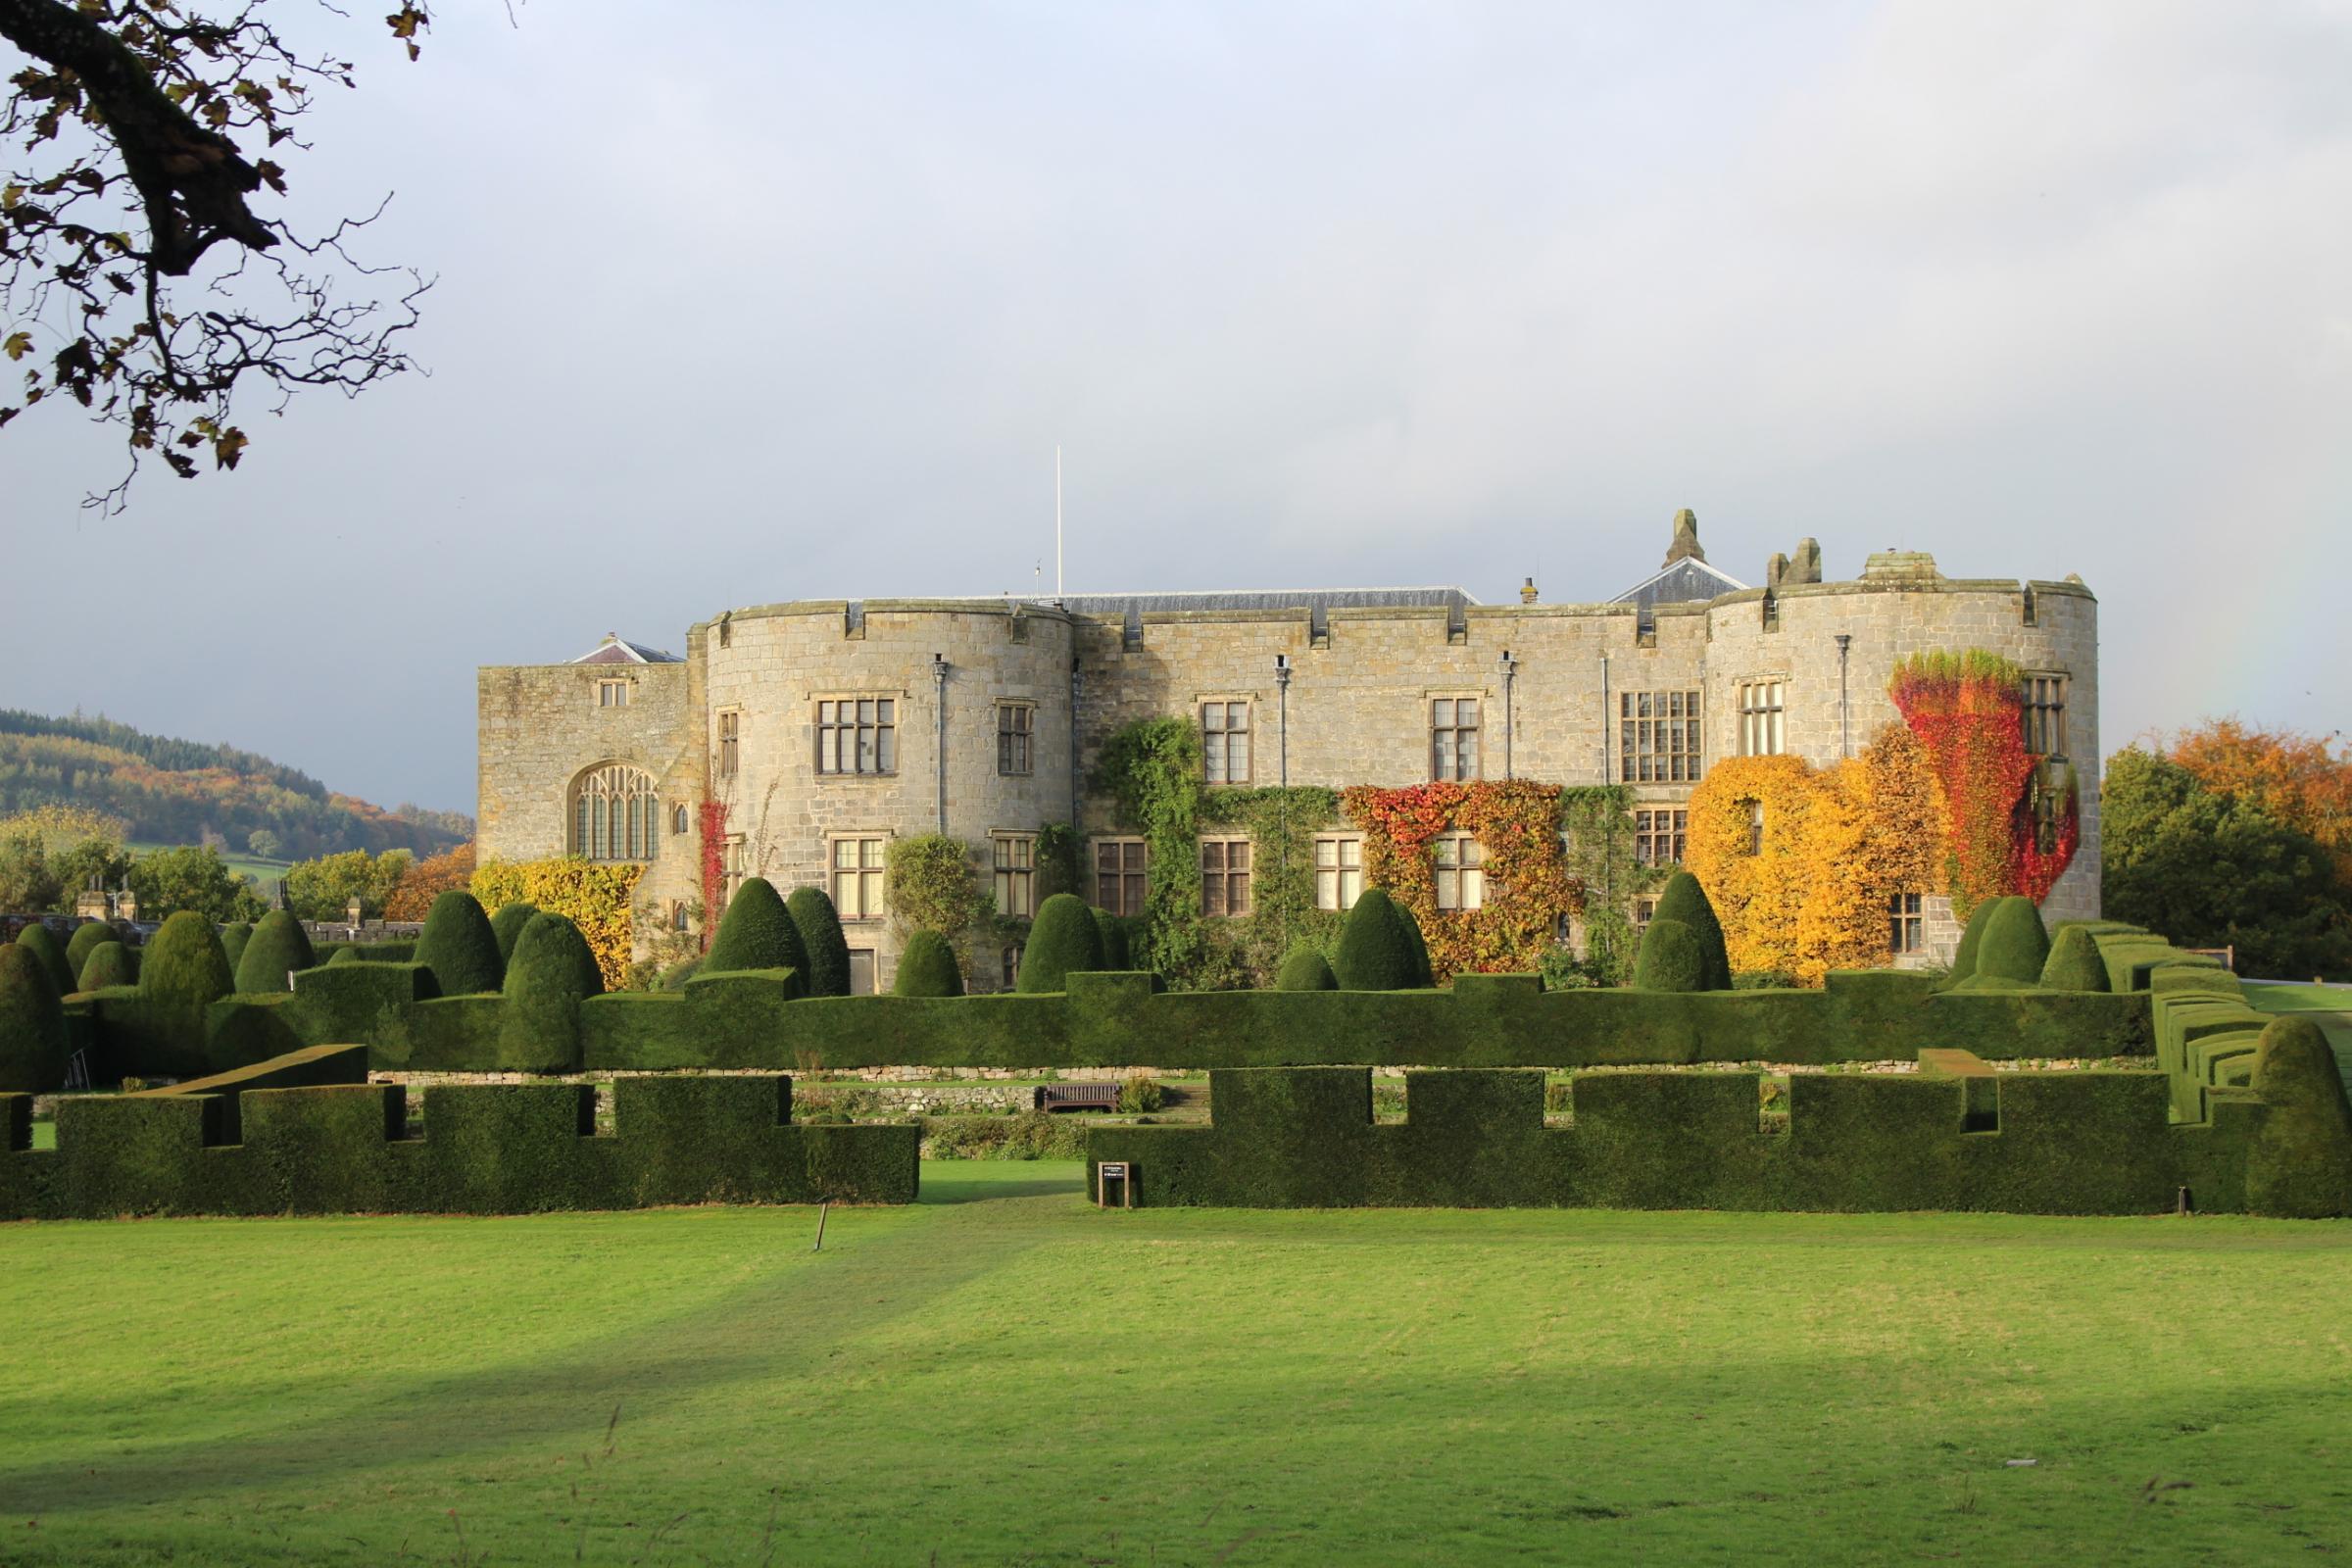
1022, 1379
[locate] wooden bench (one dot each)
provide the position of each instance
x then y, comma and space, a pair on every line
1077, 1097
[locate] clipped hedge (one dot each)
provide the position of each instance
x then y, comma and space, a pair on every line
86, 936
42, 942
1683, 900
487, 1149
233, 938
927, 967
2300, 1164
2074, 963
823, 942
2015, 945
1064, 941
278, 947
553, 971
459, 946
1972, 937
109, 964
1117, 948
1380, 949
1306, 969
33, 1022
755, 933
184, 964
507, 925
1672, 957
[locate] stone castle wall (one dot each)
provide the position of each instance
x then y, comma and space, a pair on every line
1357, 707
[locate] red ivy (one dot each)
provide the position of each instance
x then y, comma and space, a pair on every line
714, 866
1969, 714
1527, 883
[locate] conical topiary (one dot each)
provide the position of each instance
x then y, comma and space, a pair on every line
756, 933
1685, 901
828, 951
42, 942
1064, 941
459, 947
2016, 944
1377, 947
552, 972
927, 969
2299, 1165
32, 1024
2075, 964
109, 964
1305, 970
507, 924
1972, 937
1672, 957
86, 936
1112, 930
345, 954
1423, 974
233, 938
278, 947
674, 977
184, 963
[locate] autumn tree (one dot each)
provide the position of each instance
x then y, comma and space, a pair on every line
412, 898
2296, 779
142, 272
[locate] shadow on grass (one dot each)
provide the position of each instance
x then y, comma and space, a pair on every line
943, 1183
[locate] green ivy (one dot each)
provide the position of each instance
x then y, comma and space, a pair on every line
1596, 824
929, 885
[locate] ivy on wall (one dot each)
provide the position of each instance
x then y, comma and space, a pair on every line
1968, 711
713, 847
1600, 849
594, 895
1528, 889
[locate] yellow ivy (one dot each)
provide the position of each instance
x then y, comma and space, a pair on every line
1836, 846
594, 895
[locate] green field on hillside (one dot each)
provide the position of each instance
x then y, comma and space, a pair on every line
263, 873
1003, 1375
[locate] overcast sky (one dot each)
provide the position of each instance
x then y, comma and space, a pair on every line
750, 302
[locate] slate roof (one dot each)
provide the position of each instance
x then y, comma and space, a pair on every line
614, 651
1680, 583
1317, 598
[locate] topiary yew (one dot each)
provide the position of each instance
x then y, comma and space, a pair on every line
459, 945
1305, 970
278, 947
1379, 948
109, 964
87, 935
32, 1024
505, 925
345, 955
755, 933
233, 938
1065, 940
1116, 953
1685, 901
1674, 957
927, 969
2016, 944
42, 942
2075, 964
828, 951
2299, 1165
184, 963
1423, 974
552, 972
1972, 937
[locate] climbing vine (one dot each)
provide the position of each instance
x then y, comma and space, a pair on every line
594, 895
713, 826
1968, 711
1527, 886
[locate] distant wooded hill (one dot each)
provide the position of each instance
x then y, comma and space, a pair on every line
178, 792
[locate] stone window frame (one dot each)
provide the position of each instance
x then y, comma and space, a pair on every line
731, 867
1646, 907
1133, 874
1660, 736
2042, 695
870, 871
1476, 768
1650, 835
1217, 749
1906, 923
1013, 856
1463, 872
1227, 884
726, 745
613, 814
1017, 739
1761, 703
612, 692
1339, 870
885, 728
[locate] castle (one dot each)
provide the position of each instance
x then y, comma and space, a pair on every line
827, 728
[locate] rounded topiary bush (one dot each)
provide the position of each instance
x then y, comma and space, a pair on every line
674, 977
278, 947
927, 969
1063, 940
233, 938
505, 925
1674, 957
552, 972
1972, 937
1305, 970
1686, 902
32, 1024
2299, 1165
1423, 974
1380, 949
828, 951
344, 956
756, 933
42, 942
1117, 951
2016, 944
86, 936
184, 963
2074, 963
109, 964
459, 947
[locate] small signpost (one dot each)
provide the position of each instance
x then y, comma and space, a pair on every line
1108, 1171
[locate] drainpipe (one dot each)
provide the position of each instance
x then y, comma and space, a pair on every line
1077, 682
1604, 718
1845, 741
1282, 802
939, 678
1511, 673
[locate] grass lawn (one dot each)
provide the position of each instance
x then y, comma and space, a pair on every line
1003, 1375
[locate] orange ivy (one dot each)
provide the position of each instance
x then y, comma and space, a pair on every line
594, 895
1528, 889
1757, 884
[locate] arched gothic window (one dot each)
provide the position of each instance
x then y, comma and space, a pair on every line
614, 815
